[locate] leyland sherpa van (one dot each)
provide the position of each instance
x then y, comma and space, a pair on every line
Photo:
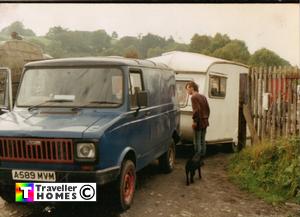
87, 120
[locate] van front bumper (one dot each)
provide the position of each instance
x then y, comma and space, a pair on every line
100, 177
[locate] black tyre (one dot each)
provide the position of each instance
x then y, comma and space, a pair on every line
7, 193
167, 160
126, 185
236, 147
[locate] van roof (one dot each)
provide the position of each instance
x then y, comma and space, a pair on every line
189, 62
96, 61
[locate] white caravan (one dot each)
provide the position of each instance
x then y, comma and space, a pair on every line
223, 82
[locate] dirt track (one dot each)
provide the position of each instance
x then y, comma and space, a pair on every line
167, 195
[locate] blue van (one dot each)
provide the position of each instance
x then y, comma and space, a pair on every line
87, 120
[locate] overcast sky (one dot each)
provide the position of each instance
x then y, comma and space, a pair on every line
274, 26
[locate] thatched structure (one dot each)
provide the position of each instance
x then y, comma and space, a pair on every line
14, 54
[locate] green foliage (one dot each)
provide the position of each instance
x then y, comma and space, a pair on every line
66, 43
16, 27
265, 57
150, 41
218, 42
152, 52
271, 171
235, 50
62, 42
200, 43
42, 42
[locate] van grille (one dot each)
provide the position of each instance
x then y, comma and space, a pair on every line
36, 150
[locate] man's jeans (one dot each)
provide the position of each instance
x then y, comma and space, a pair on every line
199, 141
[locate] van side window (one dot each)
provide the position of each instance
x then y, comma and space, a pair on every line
135, 86
217, 86
2, 88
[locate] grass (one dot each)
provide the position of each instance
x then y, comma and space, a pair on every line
271, 170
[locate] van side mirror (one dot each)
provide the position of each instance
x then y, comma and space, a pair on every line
6, 103
142, 99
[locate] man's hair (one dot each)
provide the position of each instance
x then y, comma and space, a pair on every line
193, 85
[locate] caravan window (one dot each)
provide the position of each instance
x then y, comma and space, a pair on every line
217, 86
182, 95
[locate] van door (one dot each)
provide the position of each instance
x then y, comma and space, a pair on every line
139, 130
5, 90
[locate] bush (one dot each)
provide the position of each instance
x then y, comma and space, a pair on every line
270, 170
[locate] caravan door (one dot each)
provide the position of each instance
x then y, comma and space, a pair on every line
5, 90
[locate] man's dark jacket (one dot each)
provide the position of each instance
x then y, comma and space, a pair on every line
200, 111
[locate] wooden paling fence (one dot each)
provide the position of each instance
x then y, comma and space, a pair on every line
274, 99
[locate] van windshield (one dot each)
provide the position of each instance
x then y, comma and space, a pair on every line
82, 87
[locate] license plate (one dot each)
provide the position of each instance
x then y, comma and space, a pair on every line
33, 175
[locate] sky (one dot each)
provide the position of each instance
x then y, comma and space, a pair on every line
273, 26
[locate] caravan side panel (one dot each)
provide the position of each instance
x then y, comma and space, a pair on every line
224, 110
224, 117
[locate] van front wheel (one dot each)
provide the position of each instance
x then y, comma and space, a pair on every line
167, 160
126, 186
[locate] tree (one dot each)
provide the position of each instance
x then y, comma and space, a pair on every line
114, 35
265, 57
200, 43
55, 31
235, 50
127, 41
151, 41
17, 27
218, 41
55, 49
153, 52
38, 42
100, 41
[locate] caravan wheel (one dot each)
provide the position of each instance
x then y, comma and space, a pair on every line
236, 147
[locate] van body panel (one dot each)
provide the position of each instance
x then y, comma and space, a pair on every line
73, 125
146, 132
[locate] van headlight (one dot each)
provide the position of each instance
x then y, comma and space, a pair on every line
86, 150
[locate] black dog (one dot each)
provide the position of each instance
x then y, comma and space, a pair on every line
191, 166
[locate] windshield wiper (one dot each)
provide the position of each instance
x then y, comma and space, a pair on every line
95, 102
103, 102
47, 101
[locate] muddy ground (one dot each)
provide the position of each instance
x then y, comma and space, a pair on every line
163, 195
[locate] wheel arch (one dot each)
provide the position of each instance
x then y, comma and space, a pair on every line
127, 154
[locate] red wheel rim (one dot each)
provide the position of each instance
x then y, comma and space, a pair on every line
128, 187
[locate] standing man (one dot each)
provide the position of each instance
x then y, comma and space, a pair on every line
200, 116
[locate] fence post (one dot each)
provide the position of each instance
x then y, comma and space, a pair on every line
298, 102
294, 120
264, 112
284, 98
274, 103
259, 104
269, 114
278, 101
289, 92
255, 110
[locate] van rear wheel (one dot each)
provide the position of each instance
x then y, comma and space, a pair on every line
126, 185
167, 160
